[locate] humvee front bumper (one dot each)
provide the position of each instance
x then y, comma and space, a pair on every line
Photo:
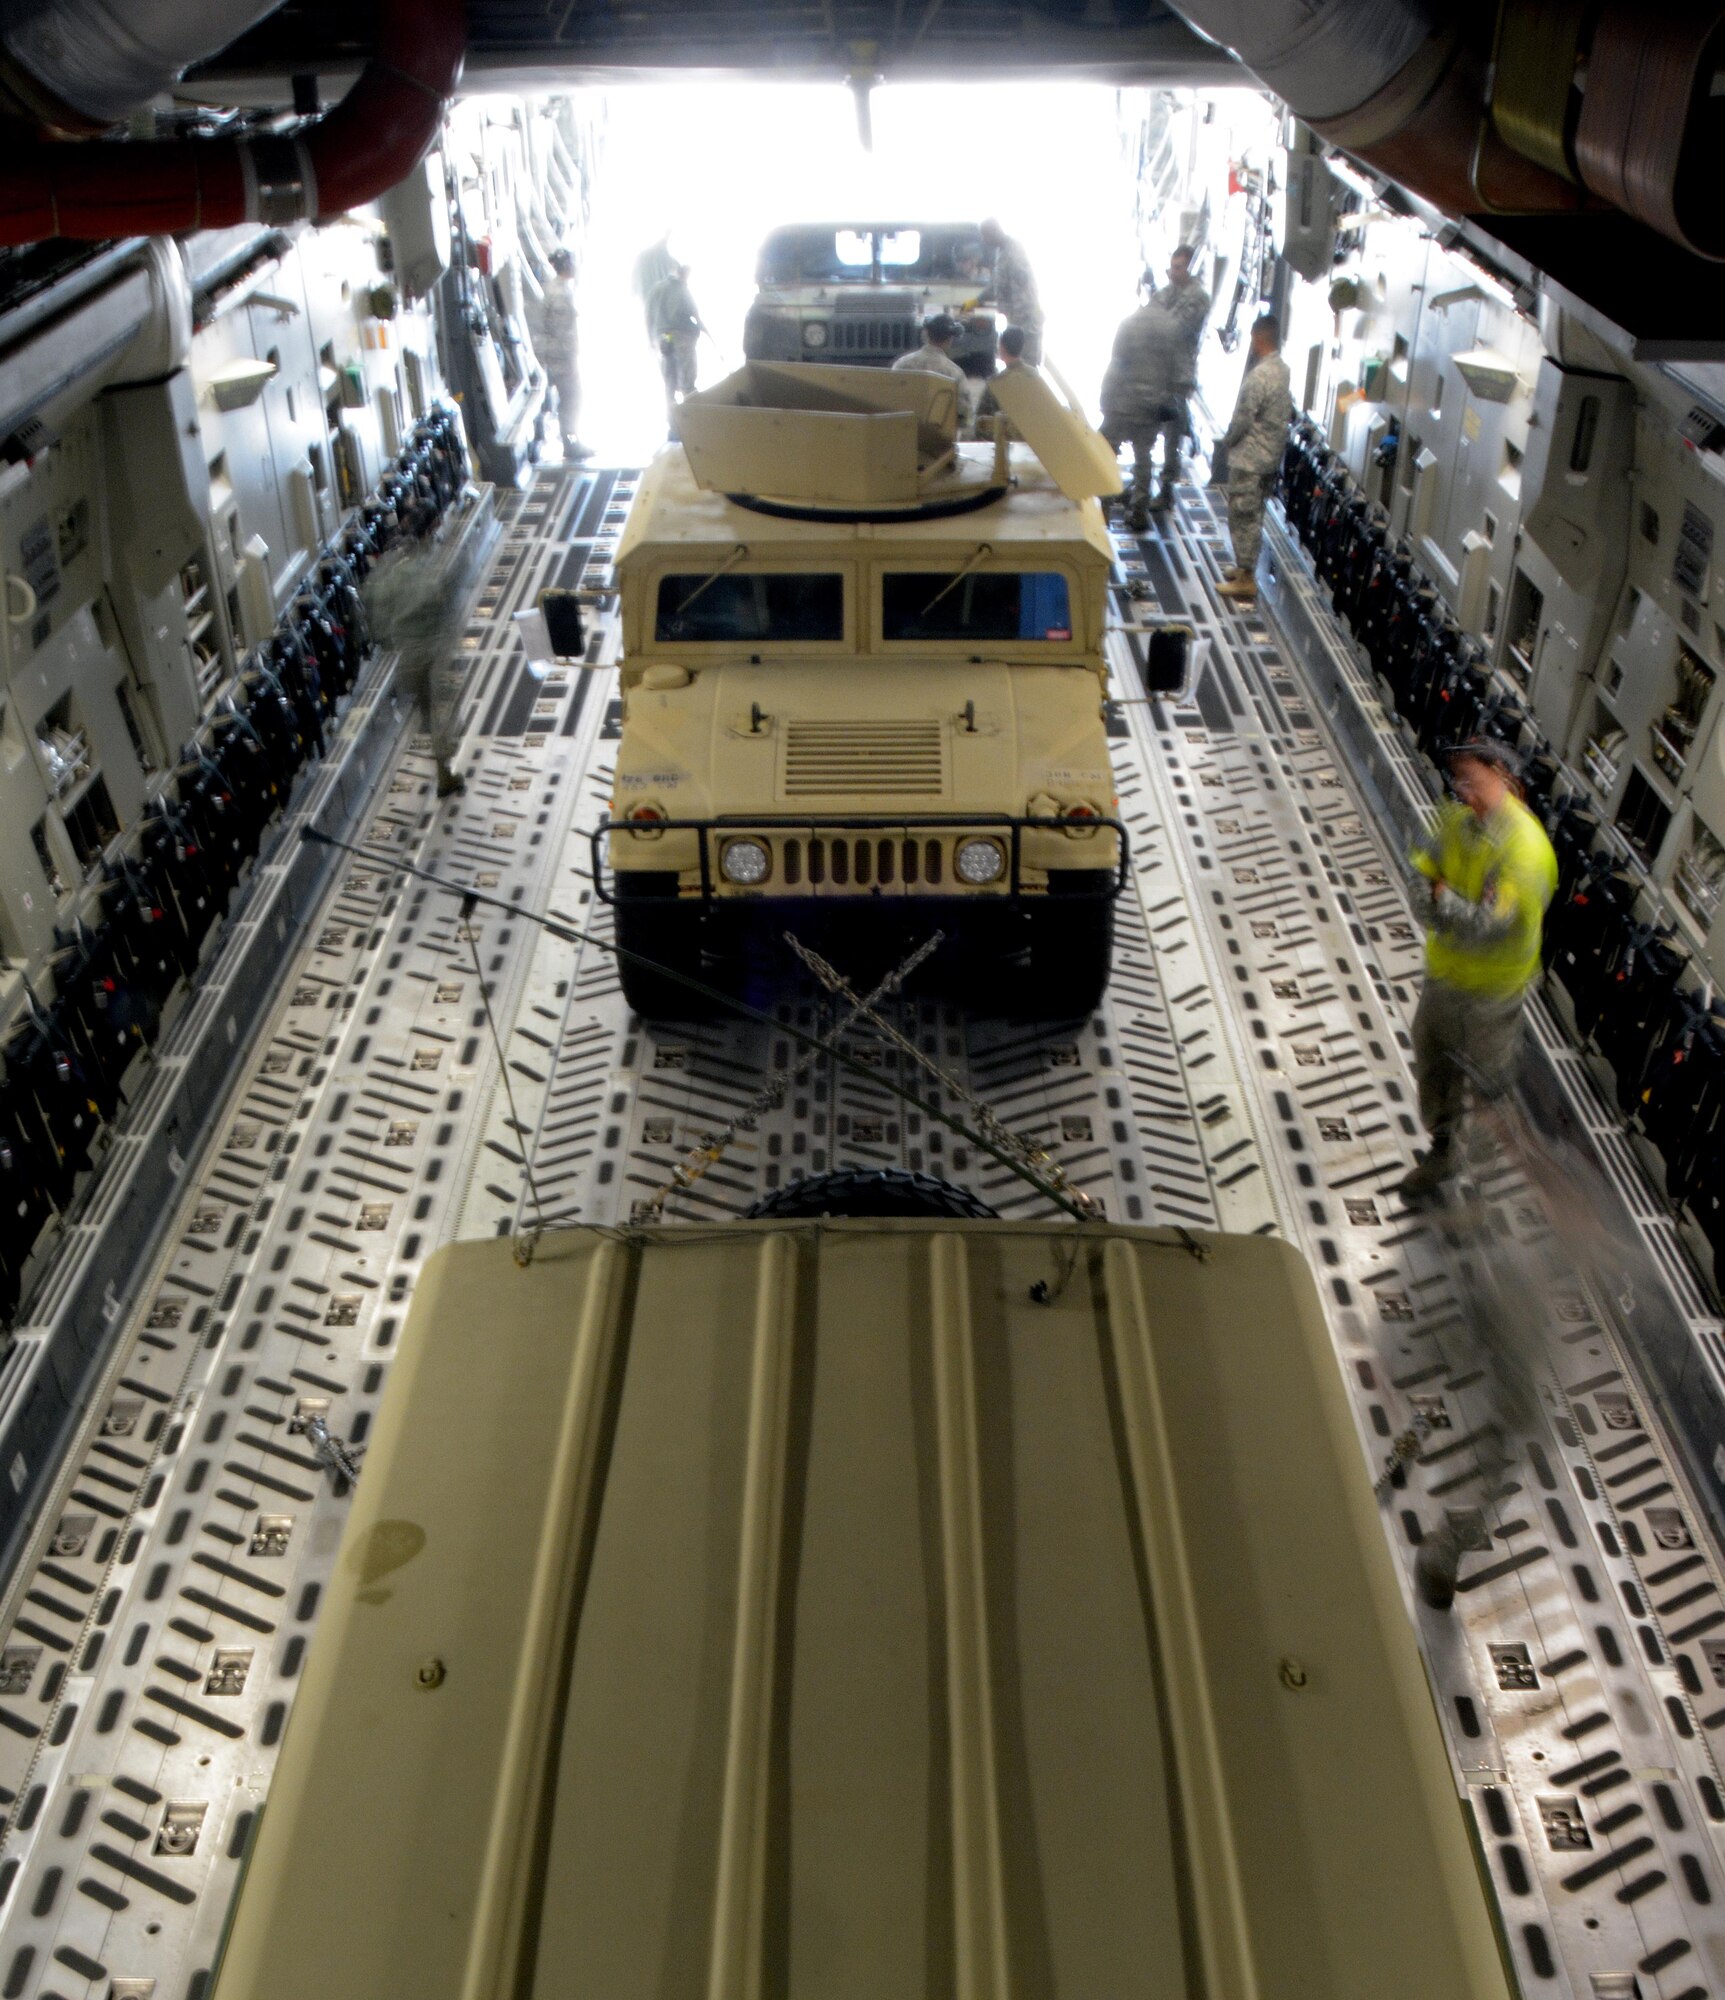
880, 855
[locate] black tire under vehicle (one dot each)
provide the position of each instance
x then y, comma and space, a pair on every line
1063, 972
652, 924
872, 1191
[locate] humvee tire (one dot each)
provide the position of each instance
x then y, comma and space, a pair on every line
872, 1191
652, 923
1064, 973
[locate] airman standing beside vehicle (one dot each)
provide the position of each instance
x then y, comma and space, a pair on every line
674, 327
1012, 289
1185, 298
654, 265
556, 340
1140, 396
940, 333
1012, 362
1482, 878
1255, 438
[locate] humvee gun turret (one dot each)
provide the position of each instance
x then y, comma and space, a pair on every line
863, 691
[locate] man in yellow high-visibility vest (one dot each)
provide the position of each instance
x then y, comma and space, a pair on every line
1482, 878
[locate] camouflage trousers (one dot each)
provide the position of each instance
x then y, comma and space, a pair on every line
1460, 1037
677, 361
1248, 493
1141, 435
566, 380
432, 681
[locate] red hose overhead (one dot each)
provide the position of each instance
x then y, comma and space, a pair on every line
95, 189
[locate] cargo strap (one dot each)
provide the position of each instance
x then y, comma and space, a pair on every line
710, 1148
1031, 1159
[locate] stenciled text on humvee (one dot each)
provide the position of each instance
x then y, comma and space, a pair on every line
857, 293
863, 695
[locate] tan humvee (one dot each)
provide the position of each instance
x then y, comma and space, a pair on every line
801, 1609
863, 690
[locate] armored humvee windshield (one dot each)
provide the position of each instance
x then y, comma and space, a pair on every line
859, 292
863, 689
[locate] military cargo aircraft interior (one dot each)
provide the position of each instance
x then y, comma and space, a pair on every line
862, 1111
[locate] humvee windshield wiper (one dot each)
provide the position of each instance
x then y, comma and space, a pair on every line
739, 554
980, 554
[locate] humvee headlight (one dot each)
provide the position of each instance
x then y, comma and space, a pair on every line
979, 861
745, 862
814, 333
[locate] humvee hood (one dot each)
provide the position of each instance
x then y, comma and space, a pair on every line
902, 736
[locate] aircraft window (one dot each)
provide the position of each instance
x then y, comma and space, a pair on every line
989, 604
773, 609
1586, 430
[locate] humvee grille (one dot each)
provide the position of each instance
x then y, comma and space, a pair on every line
863, 335
892, 759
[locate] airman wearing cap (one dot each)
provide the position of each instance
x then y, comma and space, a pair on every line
1481, 880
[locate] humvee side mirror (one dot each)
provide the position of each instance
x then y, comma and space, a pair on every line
555, 628
561, 610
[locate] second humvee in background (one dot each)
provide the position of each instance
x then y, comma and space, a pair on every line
859, 292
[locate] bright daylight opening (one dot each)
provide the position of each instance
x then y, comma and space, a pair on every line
721, 166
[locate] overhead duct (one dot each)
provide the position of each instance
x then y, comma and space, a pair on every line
82, 64
1576, 105
94, 189
1650, 126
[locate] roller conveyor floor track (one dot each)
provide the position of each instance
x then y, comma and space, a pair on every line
1248, 1072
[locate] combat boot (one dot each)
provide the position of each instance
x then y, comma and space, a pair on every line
1438, 1164
1163, 501
450, 784
1137, 516
1438, 1565
1241, 590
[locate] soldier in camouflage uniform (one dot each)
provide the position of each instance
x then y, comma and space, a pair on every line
414, 599
1255, 439
1186, 301
1013, 288
556, 339
1140, 398
674, 325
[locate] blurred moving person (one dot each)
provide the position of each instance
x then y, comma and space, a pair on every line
1256, 437
1186, 300
1140, 398
1012, 288
558, 345
674, 327
414, 599
1482, 878
1548, 1224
